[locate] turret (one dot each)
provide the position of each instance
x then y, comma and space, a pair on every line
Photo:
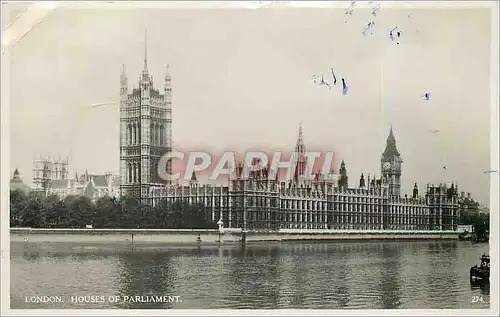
168, 83
362, 181
239, 170
194, 180
123, 85
391, 165
167, 132
300, 150
343, 181
415, 191
16, 175
450, 193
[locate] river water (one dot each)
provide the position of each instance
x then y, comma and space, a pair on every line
312, 275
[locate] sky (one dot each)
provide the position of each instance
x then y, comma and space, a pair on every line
242, 78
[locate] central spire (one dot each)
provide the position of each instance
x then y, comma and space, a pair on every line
146, 50
301, 134
300, 146
390, 149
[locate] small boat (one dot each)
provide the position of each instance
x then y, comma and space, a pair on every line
481, 273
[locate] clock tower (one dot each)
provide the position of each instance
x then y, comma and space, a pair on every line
391, 165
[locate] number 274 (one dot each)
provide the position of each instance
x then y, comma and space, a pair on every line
477, 299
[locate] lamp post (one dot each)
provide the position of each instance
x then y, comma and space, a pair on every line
221, 225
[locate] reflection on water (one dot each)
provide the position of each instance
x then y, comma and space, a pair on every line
329, 275
390, 277
155, 278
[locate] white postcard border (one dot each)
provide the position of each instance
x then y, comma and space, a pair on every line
494, 177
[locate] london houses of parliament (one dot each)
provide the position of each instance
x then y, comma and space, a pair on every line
262, 203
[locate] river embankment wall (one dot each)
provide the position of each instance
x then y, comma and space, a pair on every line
209, 236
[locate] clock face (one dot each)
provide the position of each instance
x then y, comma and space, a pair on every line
387, 165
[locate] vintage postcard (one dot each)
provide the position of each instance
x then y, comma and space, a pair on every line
249, 158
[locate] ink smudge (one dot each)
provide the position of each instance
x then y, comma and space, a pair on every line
391, 34
349, 10
370, 25
344, 87
322, 80
334, 78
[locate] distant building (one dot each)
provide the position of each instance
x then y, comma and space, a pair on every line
107, 185
468, 207
50, 177
64, 187
16, 183
88, 185
47, 169
483, 210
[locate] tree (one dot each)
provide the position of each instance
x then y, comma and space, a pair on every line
37, 211
17, 207
107, 213
81, 212
130, 214
55, 211
34, 215
148, 217
160, 216
481, 224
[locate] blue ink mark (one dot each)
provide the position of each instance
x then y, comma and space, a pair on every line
374, 11
113, 198
391, 35
370, 25
351, 8
427, 96
324, 83
344, 87
322, 80
334, 78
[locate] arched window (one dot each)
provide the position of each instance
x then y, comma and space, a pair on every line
138, 132
134, 133
162, 133
130, 173
157, 135
129, 134
152, 134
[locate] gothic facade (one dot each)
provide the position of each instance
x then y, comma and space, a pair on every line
47, 169
89, 185
145, 133
374, 204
